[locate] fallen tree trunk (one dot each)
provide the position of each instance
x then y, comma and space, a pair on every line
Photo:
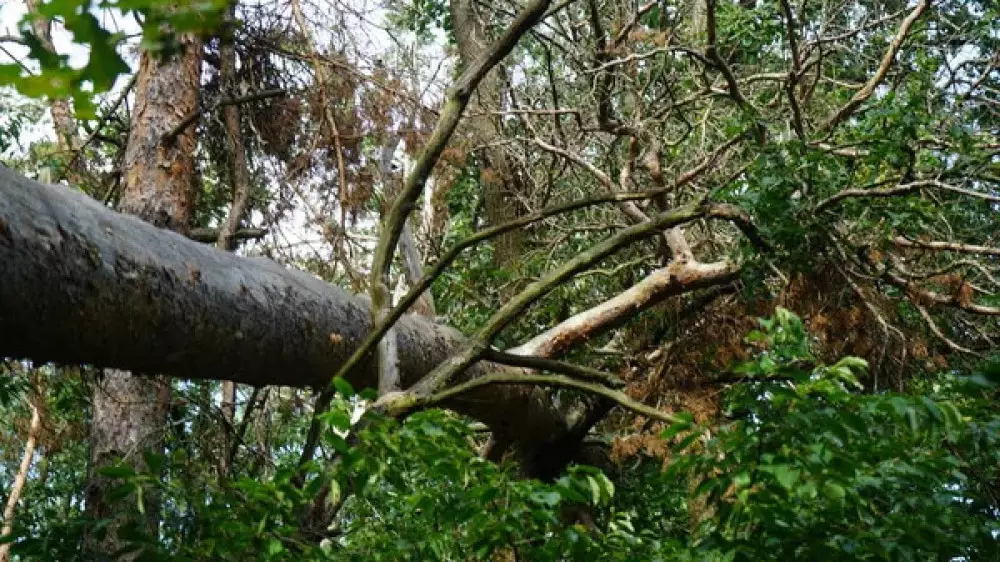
83, 284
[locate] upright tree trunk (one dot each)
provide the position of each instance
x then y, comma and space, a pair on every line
63, 122
17, 486
129, 413
59, 108
413, 261
240, 175
499, 177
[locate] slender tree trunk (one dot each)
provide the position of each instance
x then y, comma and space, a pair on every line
413, 261
63, 122
501, 185
17, 486
129, 412
59, 108
240, 175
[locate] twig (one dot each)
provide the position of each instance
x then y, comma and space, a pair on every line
327, 109
712, 52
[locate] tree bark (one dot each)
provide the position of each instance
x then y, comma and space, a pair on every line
130, 412
62, 115
83, 284
240, 175
17, 486
498, 176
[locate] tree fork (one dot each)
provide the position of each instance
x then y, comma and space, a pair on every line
83, 284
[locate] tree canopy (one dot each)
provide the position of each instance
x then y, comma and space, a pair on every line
541, 280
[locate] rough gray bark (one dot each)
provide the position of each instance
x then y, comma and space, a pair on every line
83, 284
86, 285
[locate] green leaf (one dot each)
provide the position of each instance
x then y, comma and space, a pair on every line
932, 409
549, 498
117, 471
912, 420
834, 491
854, 363
595, 490
677, 427
154, 462
343, 387
784, 474
337, 419
140, 504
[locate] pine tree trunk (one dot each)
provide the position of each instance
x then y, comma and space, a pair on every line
129, 412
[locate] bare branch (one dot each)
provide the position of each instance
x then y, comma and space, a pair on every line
211, 235
904, 242
712, 52
17, 486
544, 364
676, 278
446, 260
446, 371
890, 55
936, 330
100, 122
904, 189
457, 99
402, 403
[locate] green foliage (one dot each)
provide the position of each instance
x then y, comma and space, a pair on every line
162, 22
422, 17
802, 466
417, 491
809, 468
802, 463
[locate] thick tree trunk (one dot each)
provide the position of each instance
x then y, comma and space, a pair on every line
130, 412
83, 284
